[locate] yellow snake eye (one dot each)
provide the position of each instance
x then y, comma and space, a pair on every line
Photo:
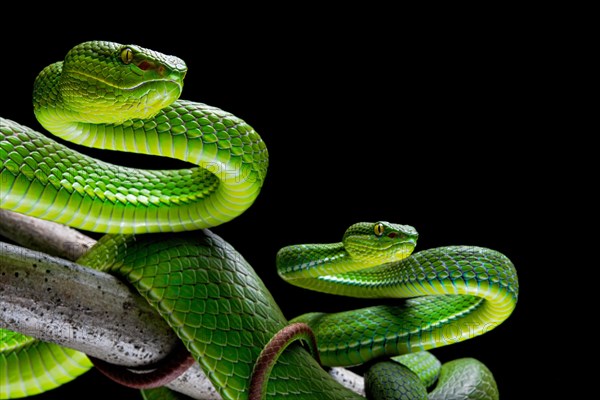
126, 55
379, 228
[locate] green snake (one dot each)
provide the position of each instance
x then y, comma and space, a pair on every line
125, 98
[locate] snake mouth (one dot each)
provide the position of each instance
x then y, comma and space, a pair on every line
162, 91
179, 84
399, 249
404, 243
175, 81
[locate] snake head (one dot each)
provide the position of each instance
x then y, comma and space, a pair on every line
377, 242
111, 83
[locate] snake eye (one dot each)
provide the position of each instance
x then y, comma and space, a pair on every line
379, 228
126, 55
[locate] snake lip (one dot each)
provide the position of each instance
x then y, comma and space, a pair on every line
134, 87
405, 242
150, 81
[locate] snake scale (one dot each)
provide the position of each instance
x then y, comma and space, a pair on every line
126, 98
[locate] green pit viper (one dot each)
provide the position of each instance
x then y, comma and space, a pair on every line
124, 97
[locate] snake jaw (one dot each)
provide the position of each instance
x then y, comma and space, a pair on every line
405, 249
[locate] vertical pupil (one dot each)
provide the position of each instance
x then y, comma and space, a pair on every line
127, 56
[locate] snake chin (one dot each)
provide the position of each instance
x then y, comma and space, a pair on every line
153, 97
400, 250
402, 253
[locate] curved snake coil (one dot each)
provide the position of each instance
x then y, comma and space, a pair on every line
124, 97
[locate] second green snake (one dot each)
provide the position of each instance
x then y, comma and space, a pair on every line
124, 97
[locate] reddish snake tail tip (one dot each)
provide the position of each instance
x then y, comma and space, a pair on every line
271, 352
150, 377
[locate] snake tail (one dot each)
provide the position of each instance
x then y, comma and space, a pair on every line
149, 377
272, 351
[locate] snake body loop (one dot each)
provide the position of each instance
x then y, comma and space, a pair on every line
453, 293
95, 99
125, 98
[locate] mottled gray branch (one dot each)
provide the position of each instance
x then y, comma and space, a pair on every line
45, 236
348, 379
59, 301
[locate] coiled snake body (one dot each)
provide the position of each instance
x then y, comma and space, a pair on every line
125, 98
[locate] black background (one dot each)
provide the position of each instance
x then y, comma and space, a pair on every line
367, 116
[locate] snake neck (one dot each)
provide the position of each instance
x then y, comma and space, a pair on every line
56, 107
303, 264
47, 98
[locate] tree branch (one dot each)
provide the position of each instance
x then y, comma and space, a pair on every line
45, 236
60, 301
